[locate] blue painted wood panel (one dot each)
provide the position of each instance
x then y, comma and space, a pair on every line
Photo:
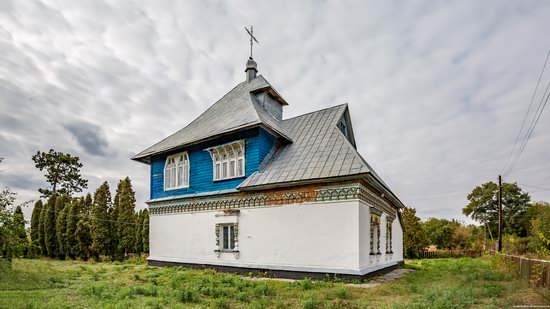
201, 169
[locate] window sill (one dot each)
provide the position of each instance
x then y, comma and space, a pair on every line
225, 179
226, 251
177, 188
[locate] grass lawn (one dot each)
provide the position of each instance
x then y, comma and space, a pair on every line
441, 283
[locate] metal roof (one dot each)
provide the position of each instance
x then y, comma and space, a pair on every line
235, 110
319, 150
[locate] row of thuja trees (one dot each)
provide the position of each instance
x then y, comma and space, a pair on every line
65, 226
82, 227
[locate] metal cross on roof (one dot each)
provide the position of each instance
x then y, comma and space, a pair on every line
252, 38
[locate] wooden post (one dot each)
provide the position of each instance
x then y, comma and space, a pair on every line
499, 213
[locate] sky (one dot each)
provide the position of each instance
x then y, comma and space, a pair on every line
437, 90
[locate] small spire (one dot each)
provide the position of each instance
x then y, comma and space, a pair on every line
251, 66
251, 69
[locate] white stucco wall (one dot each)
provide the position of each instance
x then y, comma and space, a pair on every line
318, 237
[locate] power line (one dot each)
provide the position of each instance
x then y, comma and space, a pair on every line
528, 110
536, 187
535, 121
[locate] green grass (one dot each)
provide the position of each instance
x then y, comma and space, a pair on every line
438, 283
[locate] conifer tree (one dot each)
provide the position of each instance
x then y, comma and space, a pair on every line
35, 221
60, 203
73, 216
99, 227
125, 217
138, 248
84, 238
145, 231
61, 232
50, 237
86, 208
20, 232
41, 228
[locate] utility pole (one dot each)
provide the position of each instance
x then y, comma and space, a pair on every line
499, 213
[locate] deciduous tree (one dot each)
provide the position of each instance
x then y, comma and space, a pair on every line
483, 207
414, 237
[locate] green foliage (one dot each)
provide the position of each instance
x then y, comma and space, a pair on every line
138, 241
440, 232
62, 172
73, 216
440, 283
483, 207
124, 205
84, 239
42, 228
540, 229
13, 237
414, 237
145, 231
100, 221
61, 232
50, 235
35, 220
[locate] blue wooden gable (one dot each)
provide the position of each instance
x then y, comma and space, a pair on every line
258, 145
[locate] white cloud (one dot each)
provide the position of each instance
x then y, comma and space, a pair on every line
437, 90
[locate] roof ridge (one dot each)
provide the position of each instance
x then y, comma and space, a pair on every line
317, 111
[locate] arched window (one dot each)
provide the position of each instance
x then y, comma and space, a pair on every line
228, 160
176, 171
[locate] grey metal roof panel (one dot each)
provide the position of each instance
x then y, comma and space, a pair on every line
319, 150
235, 110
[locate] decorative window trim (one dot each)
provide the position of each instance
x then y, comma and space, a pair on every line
228, 160
389, 228
220, 241
176, 176
374, 227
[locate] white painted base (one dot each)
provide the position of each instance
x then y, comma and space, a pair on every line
325, 237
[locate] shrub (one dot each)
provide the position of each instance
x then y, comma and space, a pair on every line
189, 295
311, 302
342, 293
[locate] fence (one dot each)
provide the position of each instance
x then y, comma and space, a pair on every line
537, 272
449, 254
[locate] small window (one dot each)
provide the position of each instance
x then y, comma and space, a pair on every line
374, 234
389, 236
228, 160
228, 237
176, 171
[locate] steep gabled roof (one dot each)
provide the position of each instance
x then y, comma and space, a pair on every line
235, 110
319, 151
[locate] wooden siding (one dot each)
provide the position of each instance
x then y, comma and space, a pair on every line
201, 169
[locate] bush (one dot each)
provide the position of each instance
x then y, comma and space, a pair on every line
189, 295
342, 293
311, 302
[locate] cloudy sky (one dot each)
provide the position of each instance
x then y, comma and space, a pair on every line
437, 89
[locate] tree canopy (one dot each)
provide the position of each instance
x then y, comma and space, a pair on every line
483, 207
62, 172
414, 237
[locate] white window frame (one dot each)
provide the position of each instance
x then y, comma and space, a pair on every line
231, 243
173, 174
226, 159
